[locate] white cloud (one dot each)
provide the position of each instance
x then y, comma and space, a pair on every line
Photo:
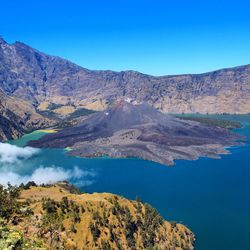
46, 175
12, 154
13, 157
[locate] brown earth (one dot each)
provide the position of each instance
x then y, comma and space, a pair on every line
112, 215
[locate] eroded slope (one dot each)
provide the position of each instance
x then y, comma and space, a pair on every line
127, 130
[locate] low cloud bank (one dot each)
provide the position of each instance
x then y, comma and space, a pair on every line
47, 175
12, 157
12, 154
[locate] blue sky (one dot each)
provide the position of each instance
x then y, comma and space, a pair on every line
155, 37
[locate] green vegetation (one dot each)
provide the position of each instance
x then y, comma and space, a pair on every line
51, 223
95, 231
151, 225
55, 213
145, 225
8, 201
68, 220
48, 114
80, 112
53, 106
11, 210
71, 119
63, 121
12, 239
67, 121
212, 121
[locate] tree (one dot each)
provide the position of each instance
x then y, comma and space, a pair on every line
8, 201
51, 221
95, 231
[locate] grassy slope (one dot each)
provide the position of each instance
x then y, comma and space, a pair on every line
99, 221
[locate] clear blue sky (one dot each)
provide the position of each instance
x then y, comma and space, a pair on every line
154, 37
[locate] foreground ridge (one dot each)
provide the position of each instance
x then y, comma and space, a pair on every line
58, 217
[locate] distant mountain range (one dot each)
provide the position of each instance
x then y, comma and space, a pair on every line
37, 77
42, 81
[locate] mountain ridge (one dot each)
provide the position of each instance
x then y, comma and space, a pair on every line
129, 70
53, 79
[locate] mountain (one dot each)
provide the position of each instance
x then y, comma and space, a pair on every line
18, 117
128, 130
43, 80
84, 221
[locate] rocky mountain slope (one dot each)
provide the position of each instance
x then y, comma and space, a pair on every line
128, 130
42, 79
67, 220
18, 117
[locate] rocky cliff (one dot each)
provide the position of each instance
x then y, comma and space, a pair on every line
42, 79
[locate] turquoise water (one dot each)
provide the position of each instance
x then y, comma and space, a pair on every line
210, 196
26, 138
